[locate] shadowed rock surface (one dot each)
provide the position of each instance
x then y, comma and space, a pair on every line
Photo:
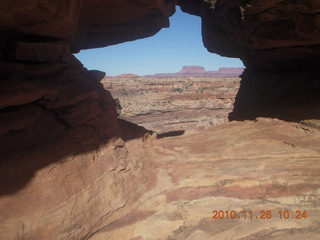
70, 169
289, 95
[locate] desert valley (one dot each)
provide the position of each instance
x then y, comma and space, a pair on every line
190, 99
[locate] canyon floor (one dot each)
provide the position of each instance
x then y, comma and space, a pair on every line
173, 103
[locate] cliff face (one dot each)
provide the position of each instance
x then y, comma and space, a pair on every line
69, 169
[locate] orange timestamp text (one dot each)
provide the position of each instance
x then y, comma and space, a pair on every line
263, 214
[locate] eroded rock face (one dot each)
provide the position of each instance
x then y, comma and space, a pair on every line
278, 41
259, 32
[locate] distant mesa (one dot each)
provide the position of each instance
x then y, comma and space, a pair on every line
128, 75
199, 71
192, 69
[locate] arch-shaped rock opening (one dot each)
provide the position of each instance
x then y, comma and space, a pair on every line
167, 51
169, 82
69, 169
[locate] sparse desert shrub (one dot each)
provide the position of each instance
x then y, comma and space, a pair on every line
123, 92
180, 90
201, 90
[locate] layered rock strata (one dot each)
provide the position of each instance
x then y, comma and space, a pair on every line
168, 188
173, 103
266, 165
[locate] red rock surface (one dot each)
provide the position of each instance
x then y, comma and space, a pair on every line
69, 169
265, 34
167, 188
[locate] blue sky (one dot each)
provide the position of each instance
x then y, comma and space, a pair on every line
166, 52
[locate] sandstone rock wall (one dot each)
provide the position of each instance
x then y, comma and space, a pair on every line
289, 95
259, 32
278, 41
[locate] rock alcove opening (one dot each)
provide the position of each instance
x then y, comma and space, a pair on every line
168, 82
180, 44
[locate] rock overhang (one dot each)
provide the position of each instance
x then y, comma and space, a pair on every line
83, 24
273, 34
